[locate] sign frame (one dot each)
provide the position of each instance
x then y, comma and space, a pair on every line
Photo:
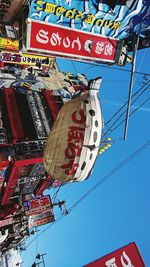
110, 41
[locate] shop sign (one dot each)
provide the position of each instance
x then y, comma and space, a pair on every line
25, 59
41, 219
38, 204
127, 256
9, 44
118, 19
62, 41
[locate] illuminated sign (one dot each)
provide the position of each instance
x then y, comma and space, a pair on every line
127, 256
38, 204
118, 19
62, 41
27, 59
8, 44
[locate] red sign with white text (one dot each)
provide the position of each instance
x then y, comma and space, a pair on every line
62, 41
127, 256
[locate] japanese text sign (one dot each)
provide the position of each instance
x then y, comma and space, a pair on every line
127, 256
9, 44
25, 59
41, 219
38, 204
118, 19
62, 41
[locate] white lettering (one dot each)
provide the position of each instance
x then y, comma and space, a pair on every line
42, 37
108, 50
77, 41
125, 256
66, 42
55, 39
111, 263
99, 48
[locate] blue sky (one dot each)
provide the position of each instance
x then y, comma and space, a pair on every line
117, 212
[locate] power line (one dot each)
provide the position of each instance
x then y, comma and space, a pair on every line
110, 67
126, 101
110, 128
130, 114
105, 178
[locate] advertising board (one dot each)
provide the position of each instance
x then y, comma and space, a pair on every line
127, 256
119, 19
41, 219
65, 42
25, 59
38, 204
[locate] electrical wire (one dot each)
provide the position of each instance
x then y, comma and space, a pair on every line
127, 102
130, 114
117, 116
107, 176
110, 67
104, 179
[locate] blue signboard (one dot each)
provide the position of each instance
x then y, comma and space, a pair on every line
118, 19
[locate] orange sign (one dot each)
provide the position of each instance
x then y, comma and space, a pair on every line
8, 44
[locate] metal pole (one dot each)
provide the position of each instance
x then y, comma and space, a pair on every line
43, 260
135, 47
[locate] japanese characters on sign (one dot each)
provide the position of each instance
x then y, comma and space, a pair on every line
62, 41
9, 44
74, 141
41, 218
38, 204
118, 20
127, 256
27, 59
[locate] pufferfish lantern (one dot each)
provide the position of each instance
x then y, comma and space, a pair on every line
73, 144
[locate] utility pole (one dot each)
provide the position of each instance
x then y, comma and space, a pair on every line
135, 47
39, 256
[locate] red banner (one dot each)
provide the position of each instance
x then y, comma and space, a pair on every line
127, 256
62, 41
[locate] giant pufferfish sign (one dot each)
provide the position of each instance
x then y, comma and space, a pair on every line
73, 143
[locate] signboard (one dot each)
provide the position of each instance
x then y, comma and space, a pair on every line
25, 59
127, 256
8, 44
71, 149
41, 219
62, 41
118, 19
37, 205
6, 222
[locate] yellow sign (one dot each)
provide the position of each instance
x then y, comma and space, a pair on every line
9, 44
26, 59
